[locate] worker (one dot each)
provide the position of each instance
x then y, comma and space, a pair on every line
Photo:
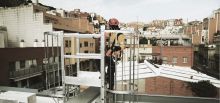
114, 47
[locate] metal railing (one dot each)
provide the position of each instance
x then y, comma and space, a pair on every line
25, 72
51, 67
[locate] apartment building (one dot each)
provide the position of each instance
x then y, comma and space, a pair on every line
203, 32
174, 55
194, 30
23, 27
26, 68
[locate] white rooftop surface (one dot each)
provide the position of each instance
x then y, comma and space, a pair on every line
147, 70
21, 97
48, 100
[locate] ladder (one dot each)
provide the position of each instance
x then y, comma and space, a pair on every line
86, 78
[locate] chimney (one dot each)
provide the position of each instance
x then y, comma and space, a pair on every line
35, 1
22, 43
35, 42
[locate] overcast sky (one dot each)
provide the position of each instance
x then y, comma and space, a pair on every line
141, 10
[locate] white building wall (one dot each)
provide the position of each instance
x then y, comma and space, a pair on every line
136, 52
23, 23
3, 39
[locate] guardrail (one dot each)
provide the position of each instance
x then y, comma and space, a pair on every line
25, 72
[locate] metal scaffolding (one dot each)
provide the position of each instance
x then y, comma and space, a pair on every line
51, 64
97, 79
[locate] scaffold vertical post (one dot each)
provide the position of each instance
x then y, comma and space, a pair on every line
102, 66
78, 51
62, 64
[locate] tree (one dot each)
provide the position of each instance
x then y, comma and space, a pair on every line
12, 3
153, 41
217, 33
143, 40
204, 89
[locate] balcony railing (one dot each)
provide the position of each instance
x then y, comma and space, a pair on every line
51, 67
25, 72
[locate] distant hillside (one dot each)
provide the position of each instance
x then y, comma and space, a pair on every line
135, 24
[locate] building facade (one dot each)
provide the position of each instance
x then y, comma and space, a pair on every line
174, 55
25, 28
26, 68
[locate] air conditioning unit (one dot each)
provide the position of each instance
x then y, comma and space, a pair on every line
17, 97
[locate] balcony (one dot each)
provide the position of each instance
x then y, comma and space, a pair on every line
51, 67
26, 73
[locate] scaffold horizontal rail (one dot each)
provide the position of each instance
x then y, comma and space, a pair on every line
84, 56
77, 35
119, 31
85, 78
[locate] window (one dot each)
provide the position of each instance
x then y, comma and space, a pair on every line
185, 59
68, 53
28, 63
57, 59
17, 65
51, 60
80, 45
68, 43
22, 64
174, 60
86, 44
12, 66
86, 51
34, 62
91, 44
164, 60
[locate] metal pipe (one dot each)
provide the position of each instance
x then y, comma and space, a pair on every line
102, 66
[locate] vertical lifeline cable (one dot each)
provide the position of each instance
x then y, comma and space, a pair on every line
53, 63
45, 56
78, 60
134, 58
115, 76
58, 64
69, 59
138, 41
122, 68
69, 67
62, 66
137, 59
48, 59
77, 51
130, 70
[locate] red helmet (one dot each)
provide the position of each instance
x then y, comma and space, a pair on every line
113, 22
